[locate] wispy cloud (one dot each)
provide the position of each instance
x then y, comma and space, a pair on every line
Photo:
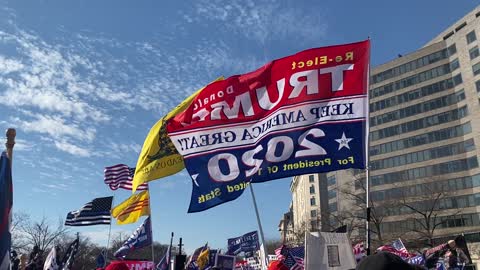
262, 20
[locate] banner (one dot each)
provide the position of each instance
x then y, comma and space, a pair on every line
138, 265
301, 114
158, 157
225, 262
247, 243
141, 237
331, 251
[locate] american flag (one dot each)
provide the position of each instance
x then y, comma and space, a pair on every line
398, 245
280, 252
93, 213
294, 258
121, 176
359, 251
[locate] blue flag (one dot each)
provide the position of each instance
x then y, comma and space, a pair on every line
6, 201
246, 243
141, 237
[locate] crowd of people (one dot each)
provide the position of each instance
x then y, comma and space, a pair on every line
447, 256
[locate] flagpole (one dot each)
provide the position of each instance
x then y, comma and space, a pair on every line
109, 229
151, 223
367, 160
170, 253
10, 134
265, 259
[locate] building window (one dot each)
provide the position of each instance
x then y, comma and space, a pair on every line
452, 49
457, 79
313, 213
332, 207
477, 84
455, 64
471, 37
331, 180
473, 52
332, 194
313, 225
311, 178
312, 190
312, 201
476, 69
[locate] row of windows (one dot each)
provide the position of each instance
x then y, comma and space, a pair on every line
424, 189
421, 123
331, 180
420, 156
415, 64
412, 80
425, 138
426, 106
465, 220
427, 171
413, 94
457, 202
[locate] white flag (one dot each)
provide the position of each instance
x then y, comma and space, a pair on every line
51, 260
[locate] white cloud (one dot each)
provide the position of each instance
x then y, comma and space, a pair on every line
263, 20
56, 127
23, 145
72, 149
9, 65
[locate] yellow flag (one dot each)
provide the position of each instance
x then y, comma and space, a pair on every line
202, 260
158, 157
130, 210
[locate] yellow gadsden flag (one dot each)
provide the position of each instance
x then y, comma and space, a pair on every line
158, 157
202, 260
130, 210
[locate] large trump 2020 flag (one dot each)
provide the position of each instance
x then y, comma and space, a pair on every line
304, 113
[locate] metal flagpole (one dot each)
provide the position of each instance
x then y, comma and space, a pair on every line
367, 160
151, 223
109, 229
265, 260
170, 253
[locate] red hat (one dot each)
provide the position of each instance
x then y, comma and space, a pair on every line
117, 265
277, 265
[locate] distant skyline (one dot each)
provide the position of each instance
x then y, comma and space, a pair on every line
83, 82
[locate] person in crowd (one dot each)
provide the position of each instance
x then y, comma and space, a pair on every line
455, 256
15, 261
386, 261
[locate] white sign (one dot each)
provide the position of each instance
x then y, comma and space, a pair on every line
331, 251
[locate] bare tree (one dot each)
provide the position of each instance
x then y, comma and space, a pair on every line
41, 233
355, 192
425, 205
19, 241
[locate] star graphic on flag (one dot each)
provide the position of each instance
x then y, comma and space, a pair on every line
343, 141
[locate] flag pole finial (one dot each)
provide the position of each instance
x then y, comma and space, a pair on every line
10, 135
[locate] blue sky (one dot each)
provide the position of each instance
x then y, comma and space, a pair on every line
83, 82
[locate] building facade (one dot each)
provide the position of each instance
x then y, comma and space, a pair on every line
424, 145
424, 135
